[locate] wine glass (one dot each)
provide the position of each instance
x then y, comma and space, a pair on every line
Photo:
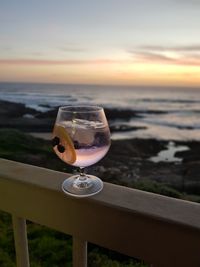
81, 137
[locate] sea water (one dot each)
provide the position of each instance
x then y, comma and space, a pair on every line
164, 112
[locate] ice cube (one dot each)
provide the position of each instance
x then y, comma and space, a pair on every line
80, 123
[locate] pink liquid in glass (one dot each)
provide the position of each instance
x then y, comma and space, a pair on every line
90, 140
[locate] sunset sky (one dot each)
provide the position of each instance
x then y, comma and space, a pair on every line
146, 42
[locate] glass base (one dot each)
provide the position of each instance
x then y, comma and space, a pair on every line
79, 186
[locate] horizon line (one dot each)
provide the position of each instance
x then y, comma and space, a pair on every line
106, 84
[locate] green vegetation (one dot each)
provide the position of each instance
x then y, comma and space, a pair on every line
7, 253
21, 147
155, 187
51, 248
46, 246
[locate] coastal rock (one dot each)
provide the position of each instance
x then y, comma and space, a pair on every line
193, 169
18, 116
111, 114
125, 114
187, 156
52, 113
124, 128
127, 163
27, 124
14, 110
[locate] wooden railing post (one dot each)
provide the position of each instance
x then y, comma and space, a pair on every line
21, 243
79, 252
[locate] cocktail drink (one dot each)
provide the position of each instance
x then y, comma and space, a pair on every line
81, 137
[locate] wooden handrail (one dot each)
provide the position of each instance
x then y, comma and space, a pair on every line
157, 229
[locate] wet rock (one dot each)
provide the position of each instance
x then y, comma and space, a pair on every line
125, 114
191, 170
193, 154
14, 110
124, 128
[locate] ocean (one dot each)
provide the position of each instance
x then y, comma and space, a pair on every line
166, 113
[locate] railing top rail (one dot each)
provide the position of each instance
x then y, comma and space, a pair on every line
157, 229
132, 200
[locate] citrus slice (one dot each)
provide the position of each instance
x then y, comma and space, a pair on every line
70, 154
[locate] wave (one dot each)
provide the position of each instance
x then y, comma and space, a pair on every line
179, 124
162, 100
159, 111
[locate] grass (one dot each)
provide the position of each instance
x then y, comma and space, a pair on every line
18, 146
47, 248
51, 248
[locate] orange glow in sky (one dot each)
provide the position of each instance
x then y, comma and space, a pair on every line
101, 42
98, 72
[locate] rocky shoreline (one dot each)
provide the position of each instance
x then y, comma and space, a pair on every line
128, 162
18, 116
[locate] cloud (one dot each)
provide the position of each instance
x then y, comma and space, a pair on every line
145, 55
5, 48
72, 49
59, 62
181, 48
149, 54
177, 55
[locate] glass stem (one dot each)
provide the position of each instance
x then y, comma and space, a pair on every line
83, 181
82, 177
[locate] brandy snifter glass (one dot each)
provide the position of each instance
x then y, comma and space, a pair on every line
81, 137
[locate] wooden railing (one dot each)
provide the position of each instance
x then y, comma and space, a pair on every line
160, 230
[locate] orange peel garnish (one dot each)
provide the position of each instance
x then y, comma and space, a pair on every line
70, 154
